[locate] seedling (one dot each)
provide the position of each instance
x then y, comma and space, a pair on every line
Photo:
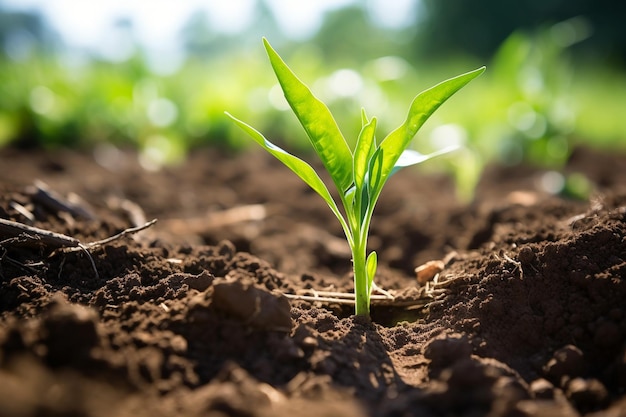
359, 174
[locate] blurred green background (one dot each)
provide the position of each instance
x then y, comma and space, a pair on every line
157, 76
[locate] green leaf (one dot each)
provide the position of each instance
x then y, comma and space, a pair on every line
364, 119
349, 196
375, 172
411, 157
365, 147
317, 121
365, 204
370, 267
423, 106
300, 167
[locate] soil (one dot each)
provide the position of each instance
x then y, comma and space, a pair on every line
189, 318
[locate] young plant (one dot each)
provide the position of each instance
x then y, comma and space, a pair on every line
359, 174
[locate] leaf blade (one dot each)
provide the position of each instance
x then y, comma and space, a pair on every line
297, 165
317, 121
422, 107
371, 264
363, 150
411, 157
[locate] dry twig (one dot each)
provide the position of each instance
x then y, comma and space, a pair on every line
333, 297
22, 234
47, 197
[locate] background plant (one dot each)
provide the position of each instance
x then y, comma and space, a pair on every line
358, 175
52, 96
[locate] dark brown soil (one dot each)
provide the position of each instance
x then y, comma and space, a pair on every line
186, 318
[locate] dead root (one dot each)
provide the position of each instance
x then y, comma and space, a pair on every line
390, 298
430, 286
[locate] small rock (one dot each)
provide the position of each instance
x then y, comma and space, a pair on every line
428, 271
542, 389
586, 394
309, 342
567, 361
179, 344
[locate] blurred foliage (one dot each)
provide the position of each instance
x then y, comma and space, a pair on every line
538, 99
348, 38
479, 27
534, 105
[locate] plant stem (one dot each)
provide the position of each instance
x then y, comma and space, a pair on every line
361, 288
